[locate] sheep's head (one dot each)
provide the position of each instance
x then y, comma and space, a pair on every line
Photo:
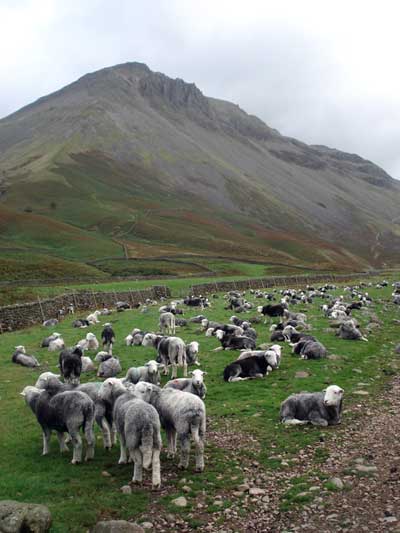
149, 339
152, 367
197, 377
101, 356
90, 336
110, 387
30, 392
143, 391
220, 334
204, 323
20, 349
209, 332
333, 395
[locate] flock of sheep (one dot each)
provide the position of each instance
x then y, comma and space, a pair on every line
133, 409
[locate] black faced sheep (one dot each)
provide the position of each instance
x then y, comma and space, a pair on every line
108, 337
70, 364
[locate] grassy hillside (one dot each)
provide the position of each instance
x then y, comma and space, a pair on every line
78, 496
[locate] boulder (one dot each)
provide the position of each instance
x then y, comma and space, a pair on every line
117, 526
18, 517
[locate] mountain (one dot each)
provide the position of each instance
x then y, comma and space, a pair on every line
127, 160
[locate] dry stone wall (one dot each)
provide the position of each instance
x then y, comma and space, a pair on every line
13, 317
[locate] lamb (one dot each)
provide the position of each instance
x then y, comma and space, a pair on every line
348, 331
138, 426
181, 414
194, 385
318, 408
167, 323
192, 352
108, 337
89, 342
248, 368
87, 364
309, 349
20, 357
56, 345
149, 373
135, 338
46, 341
70, 364
93, 318
65, 412
109, 366
172, 351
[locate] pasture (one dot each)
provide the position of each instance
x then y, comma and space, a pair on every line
78, 496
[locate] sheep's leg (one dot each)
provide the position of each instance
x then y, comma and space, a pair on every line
105, 428
174, 371
317, 420
123, 459
294, 422
171, 439
185, 370
61, 441
113, 433
156, 473
77, 446
46, 440
199, 452
184, 440
138, 468
90, 441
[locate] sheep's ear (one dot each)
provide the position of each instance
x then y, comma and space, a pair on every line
204, 373
23, 393
323, 390
147, 364
161, 365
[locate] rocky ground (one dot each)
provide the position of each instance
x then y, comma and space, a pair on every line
355, 488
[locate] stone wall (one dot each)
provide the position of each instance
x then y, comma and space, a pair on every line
278, 281
13, 317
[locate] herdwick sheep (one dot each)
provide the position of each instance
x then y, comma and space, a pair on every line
167, 323
182, 415
233, 342
318, 408
172, 351
70, 364
50, 323
89, 343
93, 318
207, 324
87, 364
138, 427
108, 337
80, 323
192, 352
271, 310
250, 367
194, 385
46, 341
197, 319
135, 338
65, 412
149, 373
309, 349
103, 411
348, 331
56, 345
109, 367
273, 355
20, 357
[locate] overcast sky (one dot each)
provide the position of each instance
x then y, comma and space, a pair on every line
324, 72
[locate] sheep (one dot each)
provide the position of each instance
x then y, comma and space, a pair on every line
318, 408
194, 385
249, 368
348, 331
197, 319
273, 355
93, 318
103, 411
109, 366
135, 337
89, 342
138, 426
271, 310
108, 337
46, 341
233, 342
50, 323
122, 306
149, 373
80, 323
167, 323
207, 324
172, 351
70, 364
56, 345
309, 349
181, 414
87, 364
20, 357
192, 352
65, 412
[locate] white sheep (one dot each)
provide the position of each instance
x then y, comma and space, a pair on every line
167, 323
194, 385
56, 345
149, 373
89, 342
93, 318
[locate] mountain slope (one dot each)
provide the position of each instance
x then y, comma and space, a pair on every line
148, 162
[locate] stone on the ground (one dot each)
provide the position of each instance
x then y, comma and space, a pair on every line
126, 489
180, 502
337, 482
255, 491
117, 526
366, 468
302, 374
16, 517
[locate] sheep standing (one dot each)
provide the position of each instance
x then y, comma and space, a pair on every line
65, 412
20, 357
172, 351
138, 426
318, 408
194, 385
70, 364
167, 323
108, 337
182, 415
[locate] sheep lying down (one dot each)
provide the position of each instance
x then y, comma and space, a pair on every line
317, 408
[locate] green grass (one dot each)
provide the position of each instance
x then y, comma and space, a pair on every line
78, 496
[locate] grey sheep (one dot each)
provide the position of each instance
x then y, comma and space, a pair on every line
109, 367
194, 385
348, 331
138, 426
318, 408
167, 323
20, 357
182, 415
65, 412
149, 373
309, 349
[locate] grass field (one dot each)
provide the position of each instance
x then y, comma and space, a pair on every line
79, 495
